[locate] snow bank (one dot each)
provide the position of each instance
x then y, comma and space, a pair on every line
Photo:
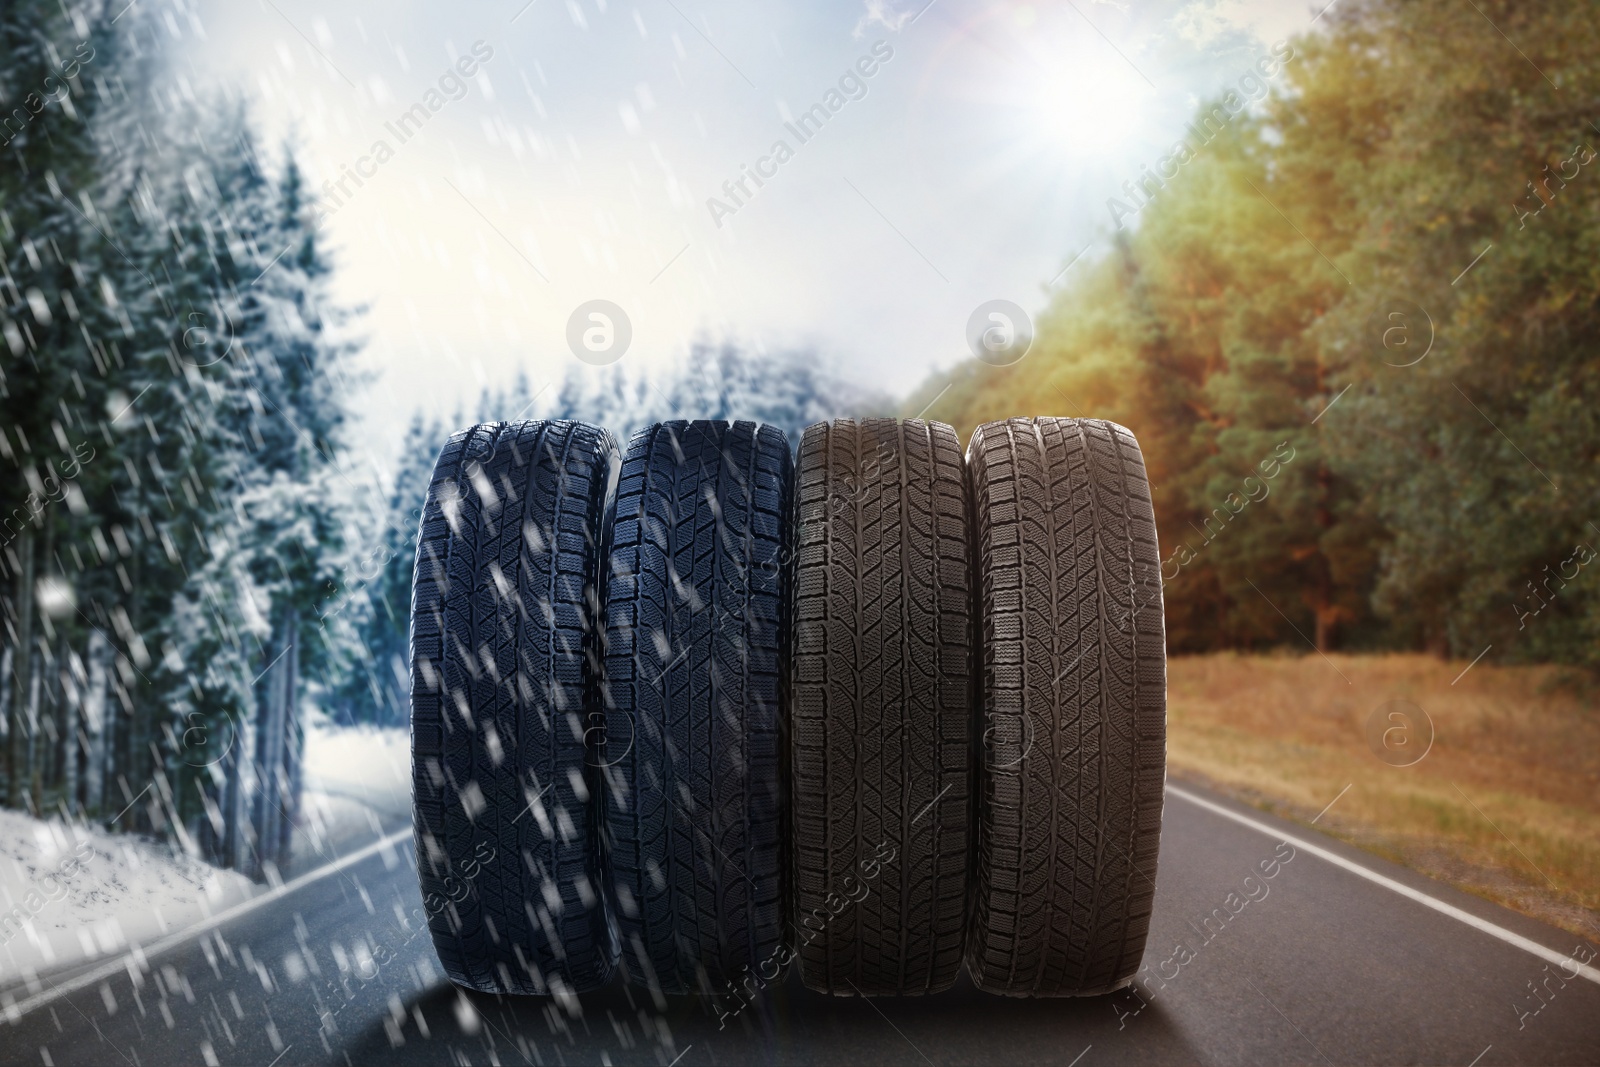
357, 788
70, 893
363, 763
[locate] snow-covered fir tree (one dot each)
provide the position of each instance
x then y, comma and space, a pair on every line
173, 385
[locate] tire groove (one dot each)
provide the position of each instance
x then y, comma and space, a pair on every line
876, 686
1072, 921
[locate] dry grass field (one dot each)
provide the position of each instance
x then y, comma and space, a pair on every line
1505, 802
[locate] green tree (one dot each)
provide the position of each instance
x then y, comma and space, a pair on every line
1249, 307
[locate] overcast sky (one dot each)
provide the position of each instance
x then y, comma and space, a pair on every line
974, 163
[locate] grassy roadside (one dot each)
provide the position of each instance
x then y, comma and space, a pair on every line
1505, 803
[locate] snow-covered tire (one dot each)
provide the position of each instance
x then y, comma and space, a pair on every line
505, 707
1073, 699
881, 708
695, 636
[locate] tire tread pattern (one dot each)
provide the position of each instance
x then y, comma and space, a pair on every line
880, 728
695, 642
504, 632
1073, 698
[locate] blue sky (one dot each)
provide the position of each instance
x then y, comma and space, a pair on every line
578, 161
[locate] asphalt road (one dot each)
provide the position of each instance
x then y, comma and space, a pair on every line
1317, 963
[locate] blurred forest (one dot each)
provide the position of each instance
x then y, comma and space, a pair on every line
173, 390
1413, 181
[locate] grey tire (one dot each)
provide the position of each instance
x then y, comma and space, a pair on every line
880, 708
1072, 752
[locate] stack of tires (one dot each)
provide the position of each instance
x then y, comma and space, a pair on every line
698, 711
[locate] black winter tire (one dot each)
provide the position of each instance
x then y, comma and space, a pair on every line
881, 708
695, 638
504, 701
1073, 662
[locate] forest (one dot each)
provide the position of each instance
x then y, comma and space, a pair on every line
174, 385
1386, 269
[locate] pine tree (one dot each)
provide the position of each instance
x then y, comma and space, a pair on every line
376, 686
58, 374
172, 381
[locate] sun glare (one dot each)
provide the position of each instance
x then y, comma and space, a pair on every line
1082, 108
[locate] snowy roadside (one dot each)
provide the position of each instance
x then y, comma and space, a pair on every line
71, 893
357, 788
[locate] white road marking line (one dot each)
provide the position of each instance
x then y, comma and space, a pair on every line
143, 954
1549, 955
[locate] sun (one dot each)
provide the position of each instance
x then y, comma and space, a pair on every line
1032, 112
1050, 85
1094, 108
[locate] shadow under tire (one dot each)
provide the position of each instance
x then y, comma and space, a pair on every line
1072, 757
504, 705
695, 644
881, 708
